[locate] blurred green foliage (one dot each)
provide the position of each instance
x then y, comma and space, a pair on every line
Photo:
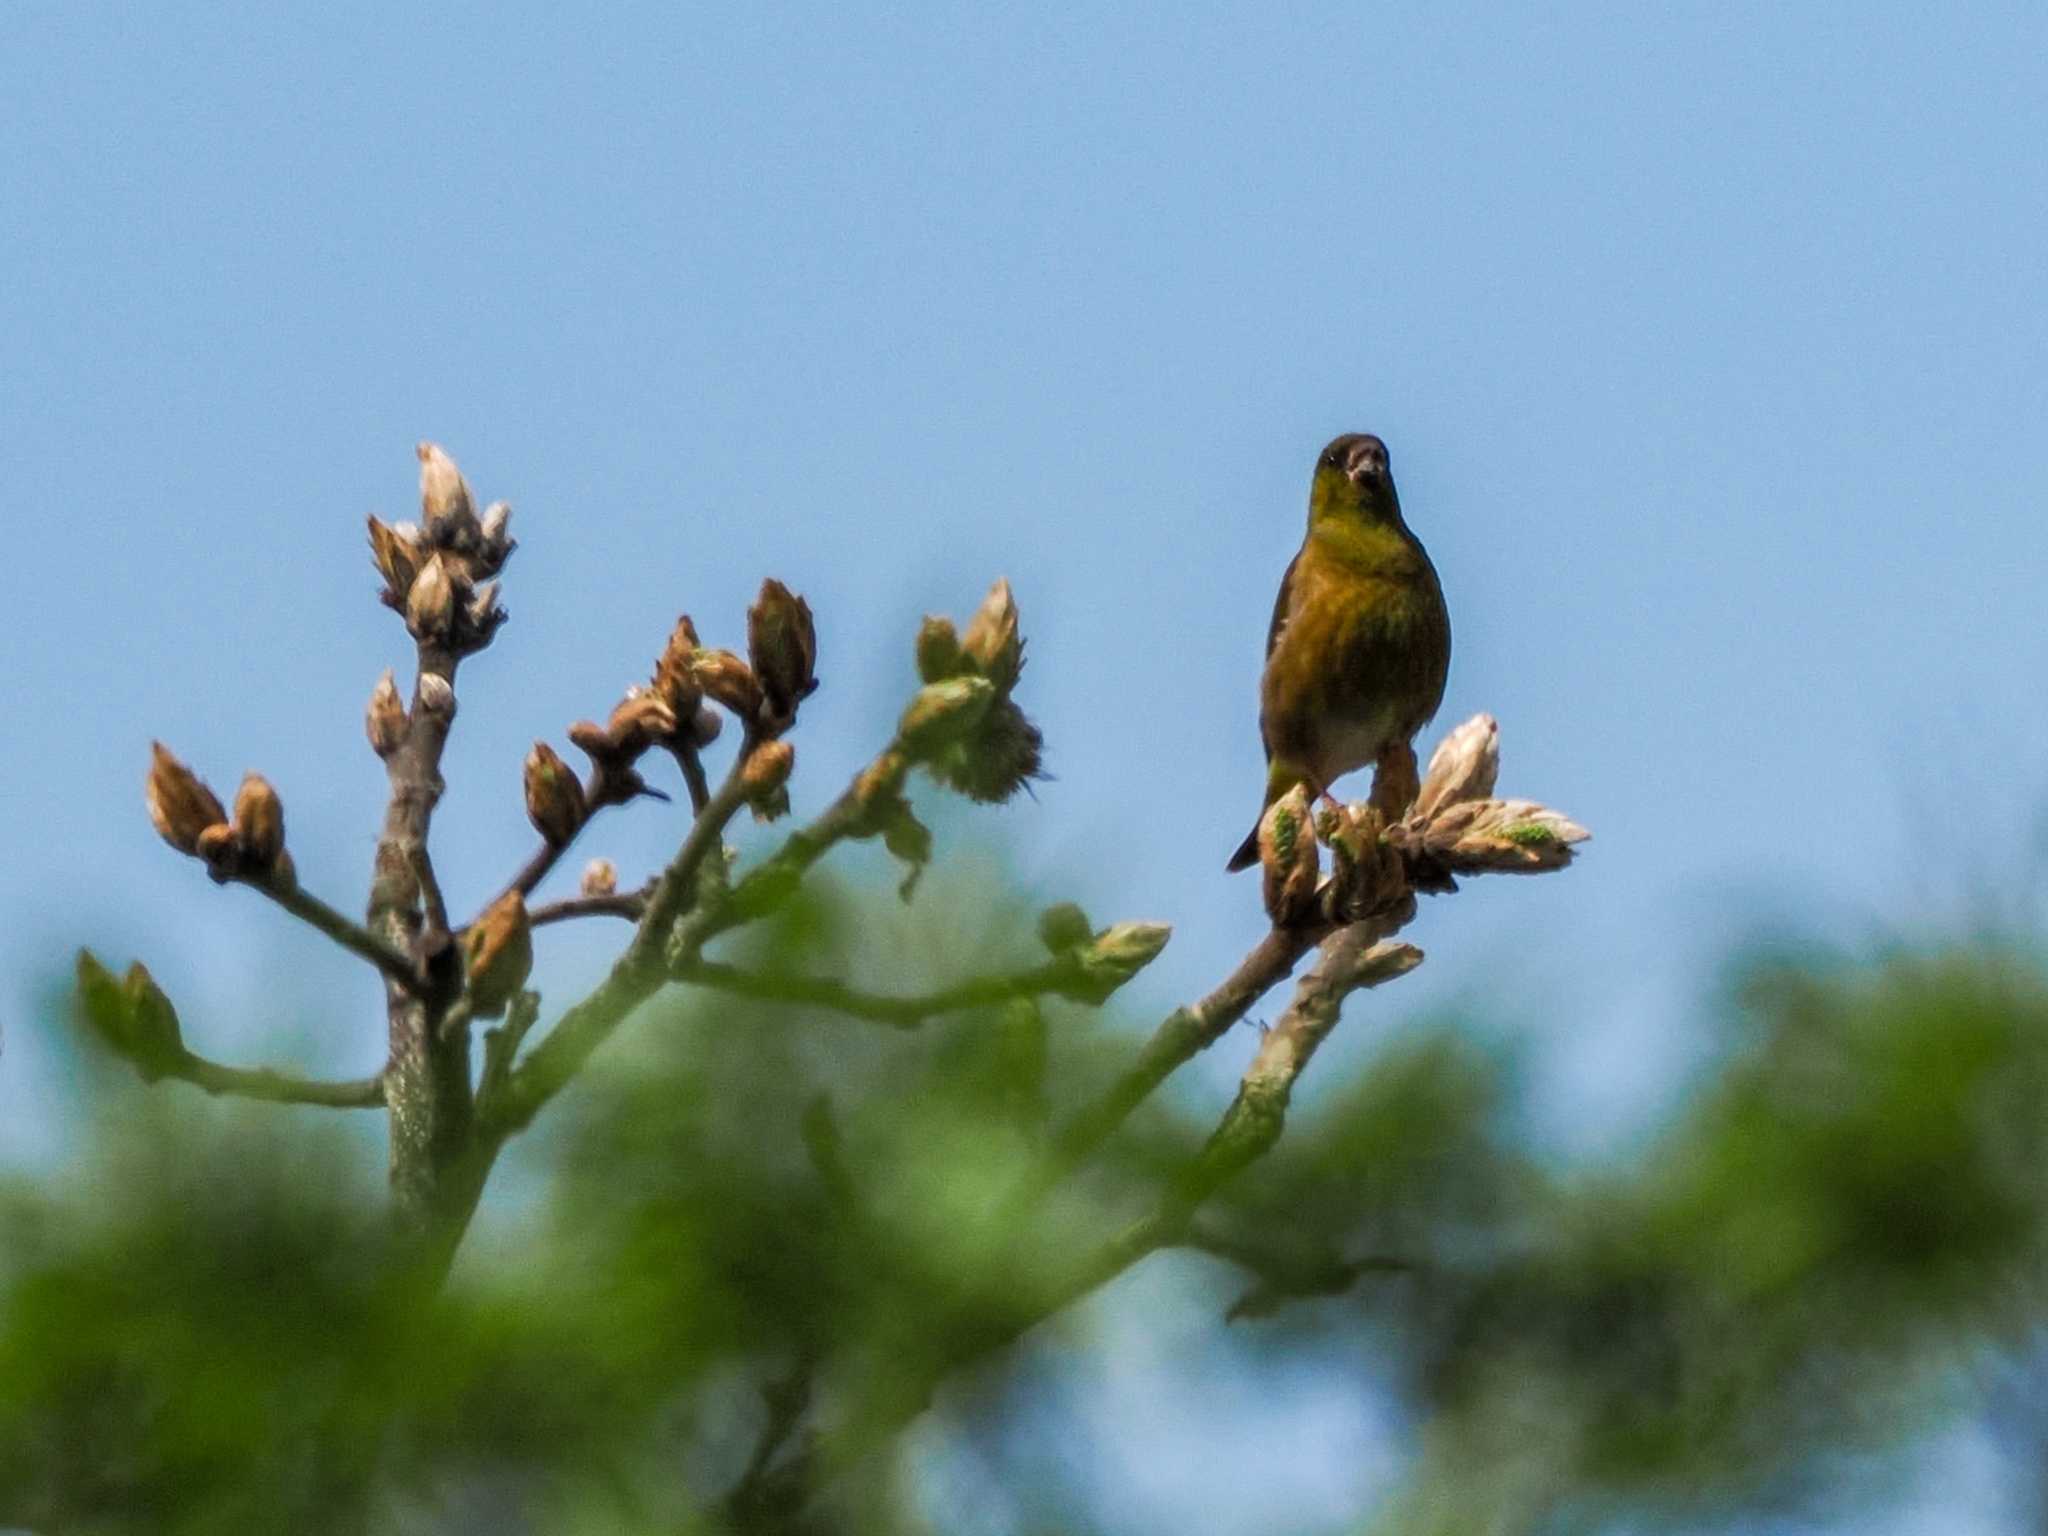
751, 1213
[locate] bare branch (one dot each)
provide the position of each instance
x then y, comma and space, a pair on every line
626, 904
278, 1087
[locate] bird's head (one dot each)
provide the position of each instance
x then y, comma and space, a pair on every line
1352, 479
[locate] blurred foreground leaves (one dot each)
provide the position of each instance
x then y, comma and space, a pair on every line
752, 1205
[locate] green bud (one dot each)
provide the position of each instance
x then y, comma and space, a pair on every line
942, 713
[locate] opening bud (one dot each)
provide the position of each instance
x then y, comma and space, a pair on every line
940, 714
397, 554
992, 641
1463, 767
672, 679
1287, 854
600, 878
181, 807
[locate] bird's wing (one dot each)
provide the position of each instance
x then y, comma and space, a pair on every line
1281, 604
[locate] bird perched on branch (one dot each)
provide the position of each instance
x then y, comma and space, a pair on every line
1360, 641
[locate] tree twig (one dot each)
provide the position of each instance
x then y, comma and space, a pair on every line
901, 1012
277, 1087
626, 904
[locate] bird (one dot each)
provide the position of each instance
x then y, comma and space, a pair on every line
1360, 642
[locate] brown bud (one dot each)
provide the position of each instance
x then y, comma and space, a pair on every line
766, 778
705, 726
445, 502
939, 714
641, 719
992, 642
397, 555
600, 878
672, 679
180, 806
782, 643
554, 800
430, 605
723, 678
938, 650
385, 722
1287, 854
591, 739
1463, 767
498, 951
259, 823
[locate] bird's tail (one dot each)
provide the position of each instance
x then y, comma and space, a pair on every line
1247, 851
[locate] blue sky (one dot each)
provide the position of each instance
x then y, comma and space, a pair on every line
1709, 341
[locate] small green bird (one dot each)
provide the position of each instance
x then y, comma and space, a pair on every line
1360, 641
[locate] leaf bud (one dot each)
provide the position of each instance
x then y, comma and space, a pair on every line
259, 823
498, 951
766, 778
1287, 854
497, 532
446, 506
384, 722
672, 679
554, 799
600, 878
782, 643
724, 678
641, 719
940, 714
437, 696
430, 605
1113, 957
992, 642
705, 725
181, 807
1063, 927
483, 612
397, 554
1463, 767
938, 650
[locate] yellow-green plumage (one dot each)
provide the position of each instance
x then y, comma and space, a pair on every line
1360, 641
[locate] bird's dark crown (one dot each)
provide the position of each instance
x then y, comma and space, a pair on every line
1358, 456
